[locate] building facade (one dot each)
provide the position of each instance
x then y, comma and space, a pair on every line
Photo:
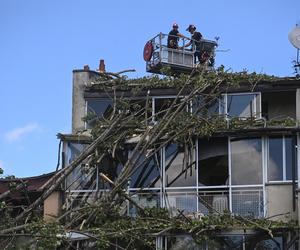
250, 170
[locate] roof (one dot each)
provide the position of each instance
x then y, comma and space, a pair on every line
33, 183
129, 90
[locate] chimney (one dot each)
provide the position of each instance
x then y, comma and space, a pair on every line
101, 66
86, 68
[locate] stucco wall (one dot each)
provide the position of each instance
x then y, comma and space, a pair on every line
52, 206
280, 201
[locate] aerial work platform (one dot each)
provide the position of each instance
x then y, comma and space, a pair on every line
157, 55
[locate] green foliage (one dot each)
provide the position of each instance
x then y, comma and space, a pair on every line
45, 235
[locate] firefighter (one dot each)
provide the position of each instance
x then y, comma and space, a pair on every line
195, 42
173, 37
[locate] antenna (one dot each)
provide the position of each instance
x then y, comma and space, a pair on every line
294, 38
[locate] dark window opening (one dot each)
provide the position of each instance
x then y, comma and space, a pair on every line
279, 105
213, 162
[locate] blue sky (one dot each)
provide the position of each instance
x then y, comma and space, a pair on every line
43, 41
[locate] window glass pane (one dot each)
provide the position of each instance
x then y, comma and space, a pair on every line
212, 107
147, 172
246, 161
288, 156
180, 166
213, 162
275, 160
240, 105
74, 150
98, 108
198, 105
83, 177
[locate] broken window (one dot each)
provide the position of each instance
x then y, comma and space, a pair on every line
213, 162
246, 161
280, 158
240, 105
180, 166
147, 171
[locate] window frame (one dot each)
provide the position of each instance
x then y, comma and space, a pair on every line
284, 161
256, 104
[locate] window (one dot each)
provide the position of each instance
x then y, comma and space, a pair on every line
246, 161
240, 105
280, 158
161, 106
83, 177
279, 105
204, 106
111, 167
213, 162
180, 166
98, 108
147, 172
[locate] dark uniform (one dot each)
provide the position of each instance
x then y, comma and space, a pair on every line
173, 39
196, 37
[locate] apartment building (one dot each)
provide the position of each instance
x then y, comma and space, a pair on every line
249, 170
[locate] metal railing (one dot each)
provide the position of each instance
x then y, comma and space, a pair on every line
180, 56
